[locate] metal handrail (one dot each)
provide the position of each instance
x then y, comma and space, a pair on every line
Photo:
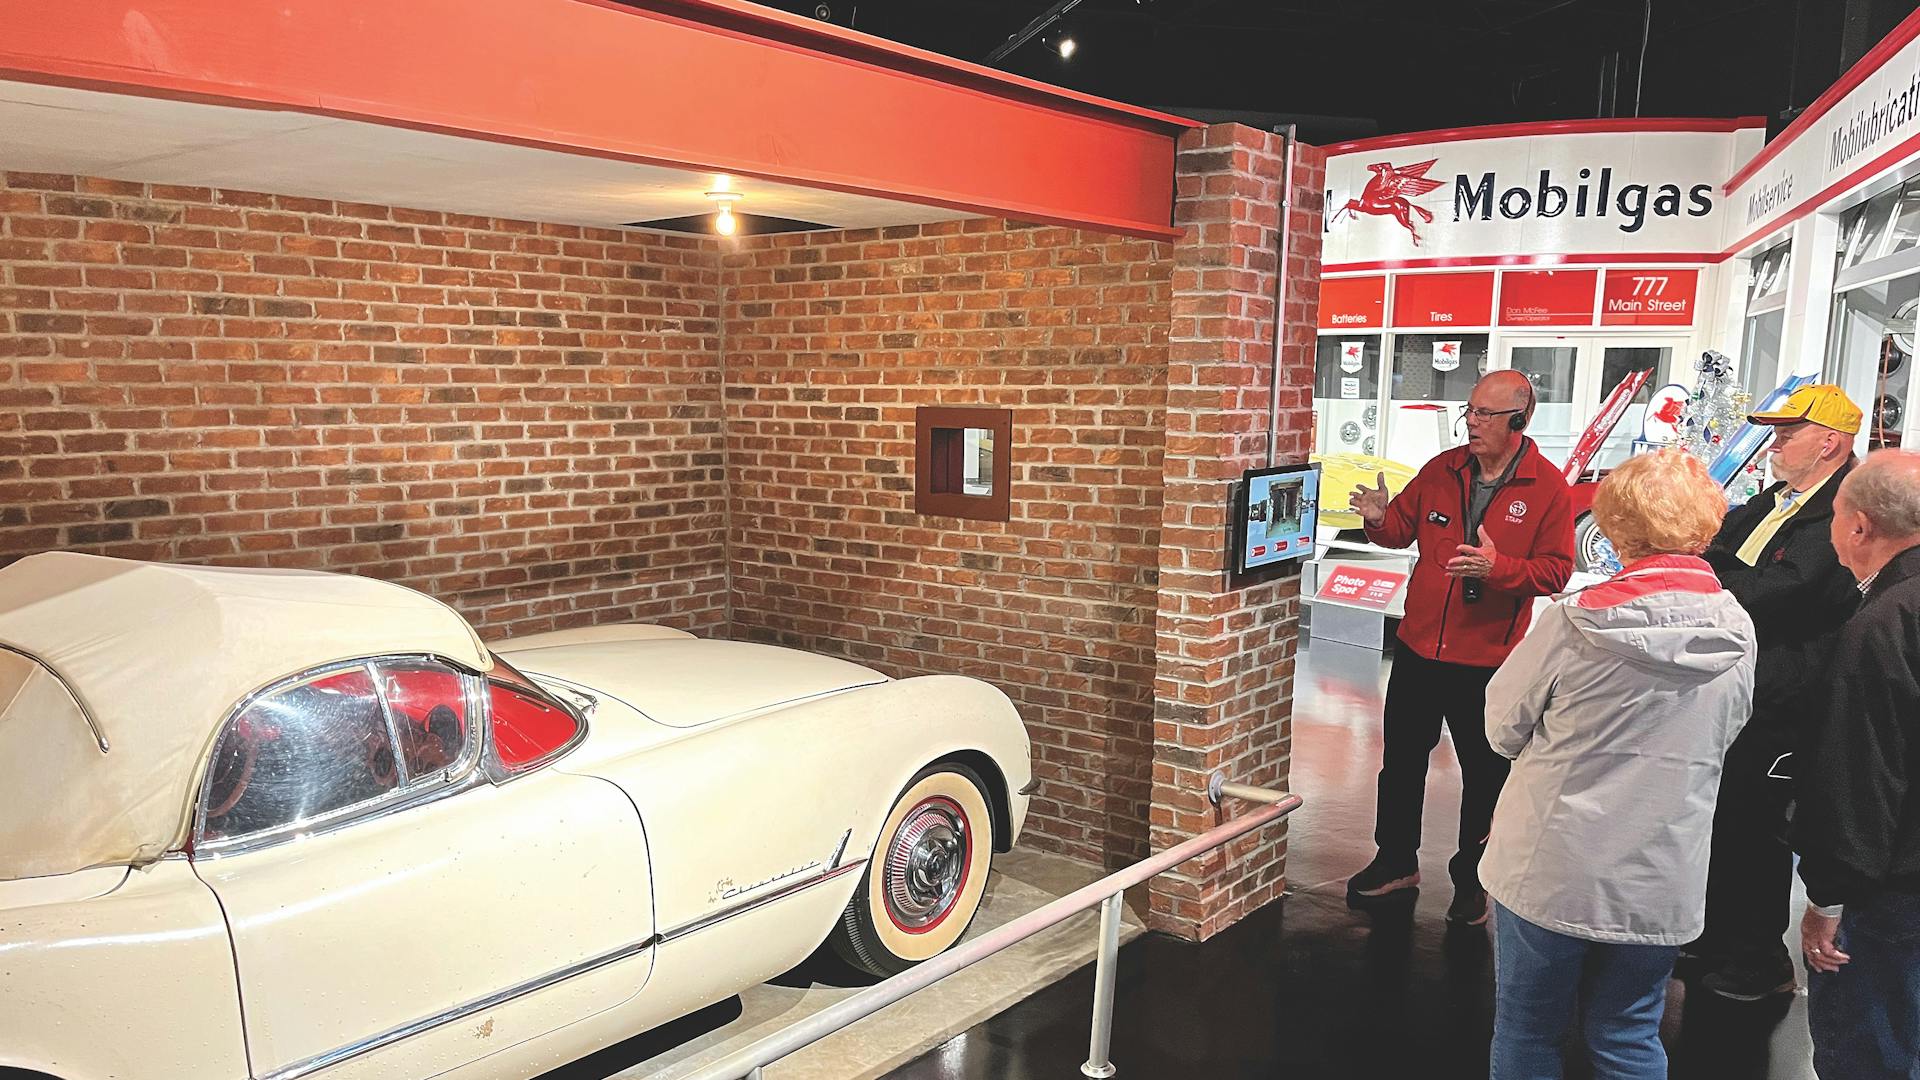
747, 1062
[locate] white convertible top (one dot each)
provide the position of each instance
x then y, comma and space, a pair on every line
158, 655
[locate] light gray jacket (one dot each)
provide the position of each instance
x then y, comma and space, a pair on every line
1618, 709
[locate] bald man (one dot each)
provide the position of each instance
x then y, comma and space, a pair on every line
1857, 824
1494, 529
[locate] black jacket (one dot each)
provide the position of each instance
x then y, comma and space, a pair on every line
1857, 823
1798, 595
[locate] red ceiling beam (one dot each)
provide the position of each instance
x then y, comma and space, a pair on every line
717, 85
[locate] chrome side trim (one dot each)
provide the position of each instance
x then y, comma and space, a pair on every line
712, 919
93, 722
387, 1038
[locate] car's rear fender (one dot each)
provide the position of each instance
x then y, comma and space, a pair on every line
135, 982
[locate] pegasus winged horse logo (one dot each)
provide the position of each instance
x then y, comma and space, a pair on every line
1391, 191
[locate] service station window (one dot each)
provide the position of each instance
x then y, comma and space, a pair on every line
1760, 353
1767, 274
962, 462
1346, 394
1884, 226
1766, 320
1433, 375
1617, 362
1873, 354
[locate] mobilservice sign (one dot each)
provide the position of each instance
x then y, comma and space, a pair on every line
1837, 147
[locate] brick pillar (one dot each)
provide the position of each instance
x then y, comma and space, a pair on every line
1224, 664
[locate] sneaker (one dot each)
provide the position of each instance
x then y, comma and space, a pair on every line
1753, 976
1469, 907
1382, 876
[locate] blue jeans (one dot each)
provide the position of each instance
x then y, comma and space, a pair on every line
1865, 1017
1542, 977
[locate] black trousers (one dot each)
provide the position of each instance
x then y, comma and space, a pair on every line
1750, 872
1421, 693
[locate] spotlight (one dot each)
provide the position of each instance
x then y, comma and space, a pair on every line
1067, 48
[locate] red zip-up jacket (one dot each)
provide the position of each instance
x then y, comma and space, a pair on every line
1531, 522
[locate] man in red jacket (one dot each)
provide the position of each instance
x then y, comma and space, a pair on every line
1493, 527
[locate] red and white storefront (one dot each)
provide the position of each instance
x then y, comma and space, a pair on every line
1580, 250
1575, 251
1825, 236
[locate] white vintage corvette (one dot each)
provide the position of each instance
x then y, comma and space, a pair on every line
280, 824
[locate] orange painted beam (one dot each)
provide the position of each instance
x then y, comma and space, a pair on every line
712, 85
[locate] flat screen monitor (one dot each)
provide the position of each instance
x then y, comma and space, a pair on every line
1275, 515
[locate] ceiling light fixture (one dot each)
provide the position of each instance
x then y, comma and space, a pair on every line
724, 222
1067, 48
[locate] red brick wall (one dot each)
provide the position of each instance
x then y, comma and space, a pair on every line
832, 340
520, 419
1226, 650
548, 425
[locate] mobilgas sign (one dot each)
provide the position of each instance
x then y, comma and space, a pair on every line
1631, 203
1558, 193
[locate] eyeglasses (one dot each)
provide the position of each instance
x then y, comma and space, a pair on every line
1469, 412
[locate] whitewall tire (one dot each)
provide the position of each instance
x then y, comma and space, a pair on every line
1590, 547
923, 885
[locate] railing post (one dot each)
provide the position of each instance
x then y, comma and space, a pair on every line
1101, 1041
759, 1073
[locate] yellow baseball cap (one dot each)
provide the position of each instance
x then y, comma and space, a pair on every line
1822, 403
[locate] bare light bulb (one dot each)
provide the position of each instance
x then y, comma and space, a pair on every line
724, 223
1067, 48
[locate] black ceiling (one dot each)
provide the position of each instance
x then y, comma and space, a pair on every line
1346, 68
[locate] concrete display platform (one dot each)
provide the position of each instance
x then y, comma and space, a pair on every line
1021, 881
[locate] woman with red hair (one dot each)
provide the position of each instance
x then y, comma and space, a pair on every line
1617, 710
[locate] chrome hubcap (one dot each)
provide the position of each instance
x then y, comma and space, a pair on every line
925, 863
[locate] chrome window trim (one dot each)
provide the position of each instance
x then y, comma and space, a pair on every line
496, 769
426, 1023
473, 689
400, 770
459, 777
86, 711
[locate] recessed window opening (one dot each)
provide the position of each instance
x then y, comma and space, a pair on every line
961, 466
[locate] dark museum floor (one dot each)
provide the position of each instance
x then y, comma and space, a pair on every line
1307, 988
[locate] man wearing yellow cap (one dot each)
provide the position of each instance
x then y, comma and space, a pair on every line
1776, 557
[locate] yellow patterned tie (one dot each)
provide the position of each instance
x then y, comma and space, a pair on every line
1785, 503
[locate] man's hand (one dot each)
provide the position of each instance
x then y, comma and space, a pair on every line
1473, 561
1371, 502
1816, 941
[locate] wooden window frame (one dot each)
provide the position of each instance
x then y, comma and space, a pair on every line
938, 445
